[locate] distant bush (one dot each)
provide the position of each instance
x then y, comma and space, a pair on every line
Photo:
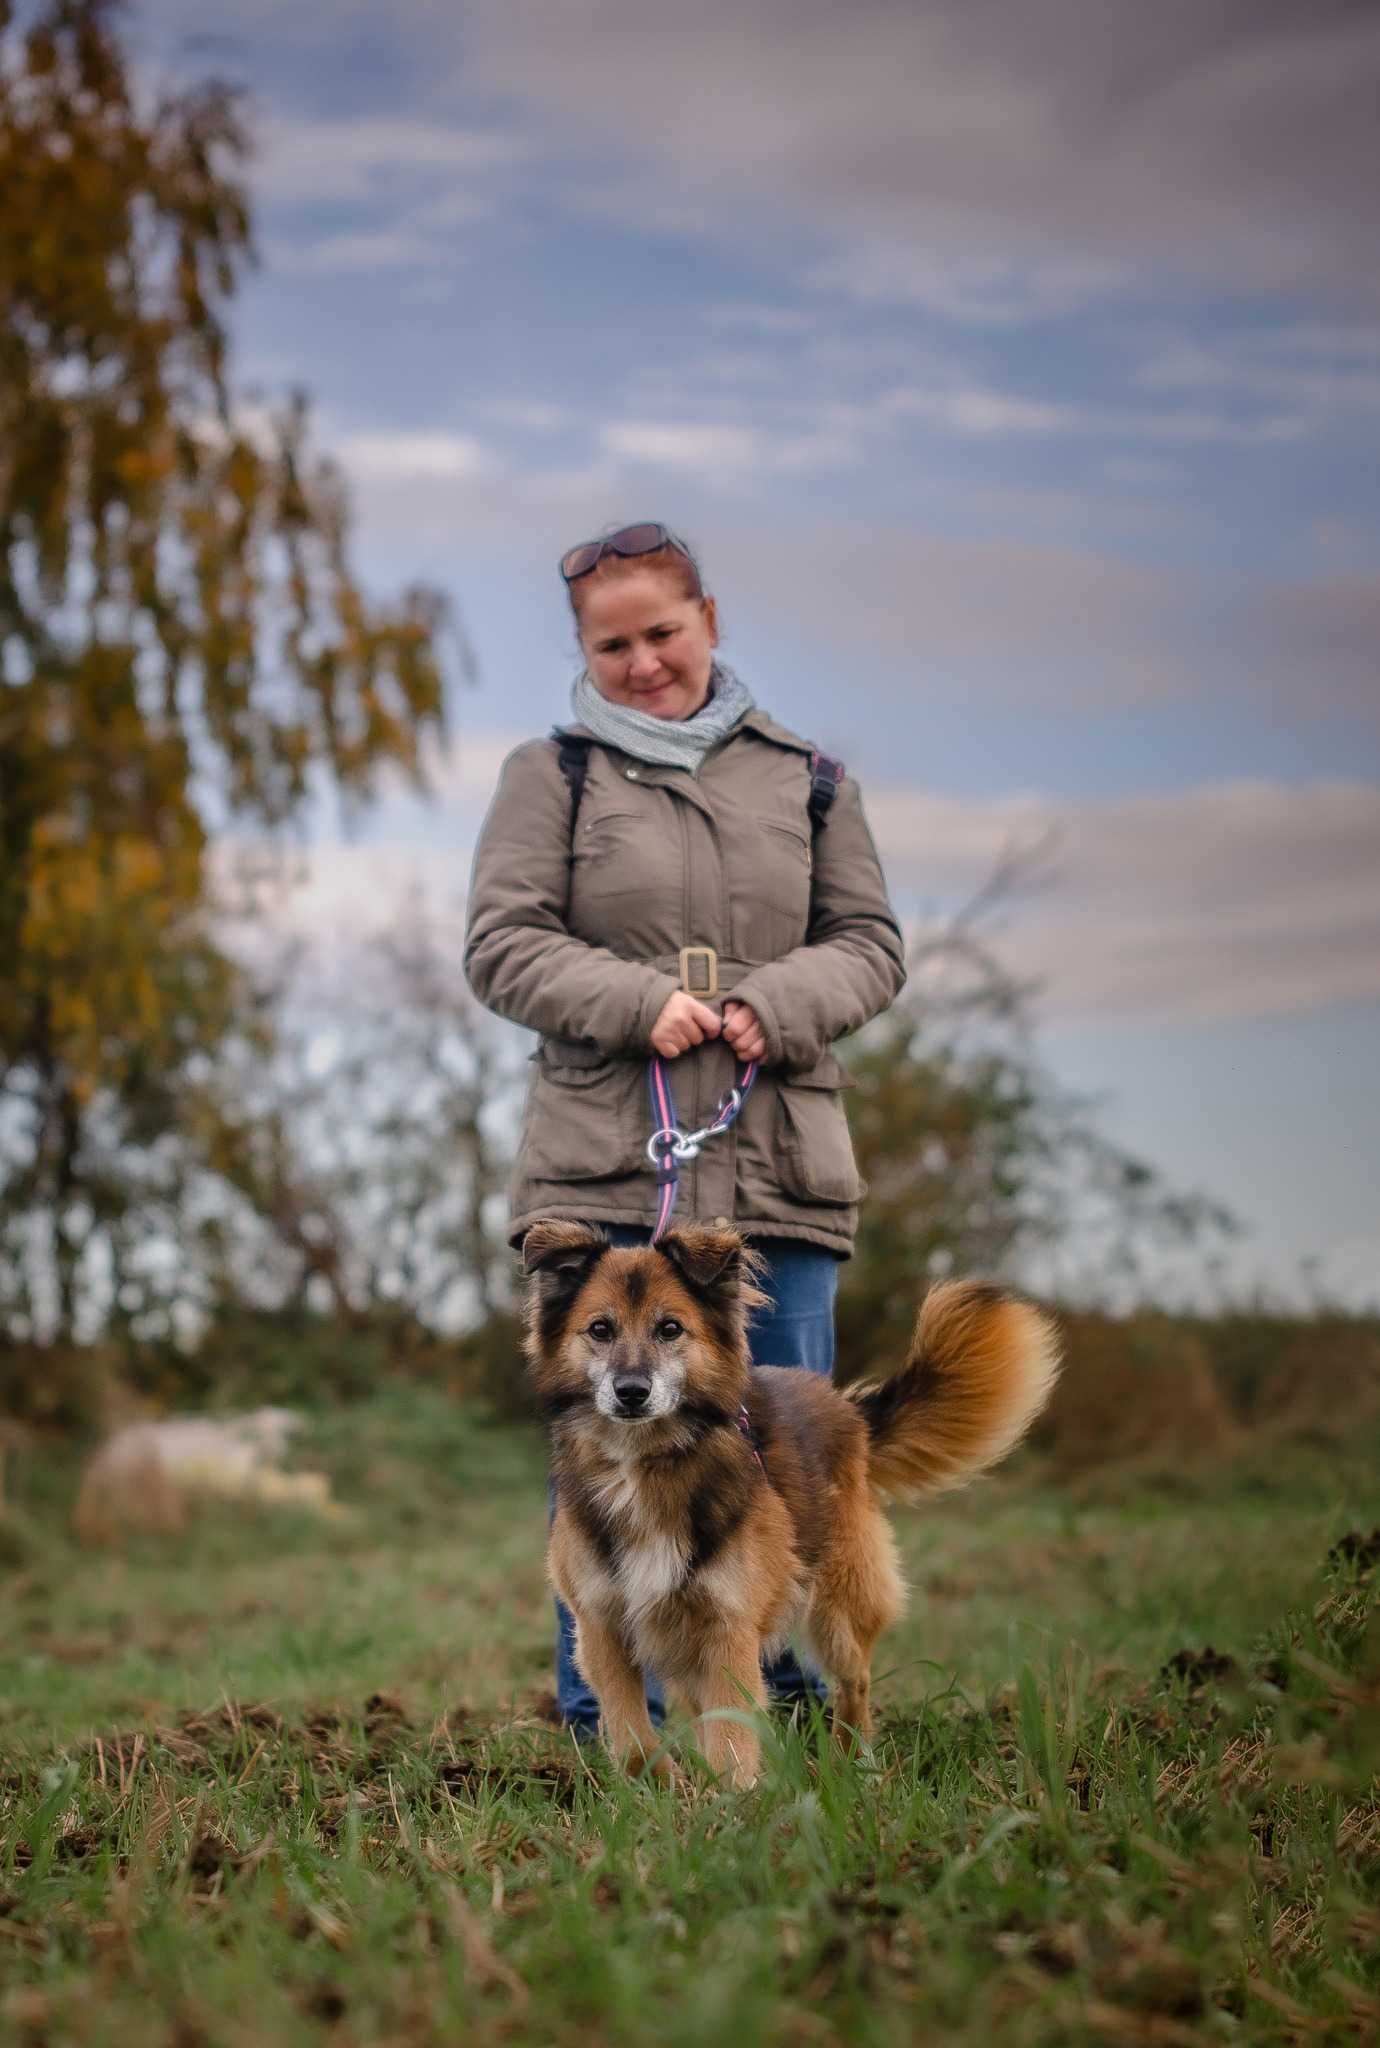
1316, 1374
247, 1357
487, 1365
296, 1357
1195, 1388
66, 1387
1135, 1388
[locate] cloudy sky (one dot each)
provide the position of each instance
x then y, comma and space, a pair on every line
1016, 368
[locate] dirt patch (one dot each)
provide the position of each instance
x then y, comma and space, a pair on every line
229, 1720
209, 1860
328, 2002
467, 1777
1201, 1667
1358, 1549
77, 1844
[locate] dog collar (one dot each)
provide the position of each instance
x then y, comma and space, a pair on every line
745, 1425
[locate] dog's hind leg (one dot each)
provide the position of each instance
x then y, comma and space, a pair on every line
857, 1594
622, 1694
730, 1677
849, 1659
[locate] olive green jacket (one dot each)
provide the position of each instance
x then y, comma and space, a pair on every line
579, 940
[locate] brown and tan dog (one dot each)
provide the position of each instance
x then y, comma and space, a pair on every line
706, 1509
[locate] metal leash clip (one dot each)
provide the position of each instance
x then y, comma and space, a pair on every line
688, 1144
669, 1147
680, 1144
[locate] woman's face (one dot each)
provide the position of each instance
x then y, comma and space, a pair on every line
645, 645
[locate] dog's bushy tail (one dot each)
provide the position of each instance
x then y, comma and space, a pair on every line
981, 1367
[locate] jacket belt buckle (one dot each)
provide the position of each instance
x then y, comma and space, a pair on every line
699, 972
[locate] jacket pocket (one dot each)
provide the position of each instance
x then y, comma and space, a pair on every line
814, 1145
599, 833
586, 1118
786, 861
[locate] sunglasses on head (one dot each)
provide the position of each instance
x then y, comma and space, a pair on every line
643, 539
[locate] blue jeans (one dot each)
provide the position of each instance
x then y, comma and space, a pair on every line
796, 1328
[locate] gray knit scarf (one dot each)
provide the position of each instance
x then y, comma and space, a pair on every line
672, 742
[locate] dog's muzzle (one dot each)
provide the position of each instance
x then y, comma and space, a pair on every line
631, 1392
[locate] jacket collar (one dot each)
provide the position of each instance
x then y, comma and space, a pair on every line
762, 723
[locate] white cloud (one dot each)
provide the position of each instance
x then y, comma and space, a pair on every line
1237, 900
464, 775
673, 445
1061, 626
361, 249
383, 193
994, 616
724, 452
979, 412
994, 291
446, 458
372, 157
990, 161
1241, 401
336, 894
732, 419
1313, 376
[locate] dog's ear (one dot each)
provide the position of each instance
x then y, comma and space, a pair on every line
557, 1257
712, 1261
566, 1249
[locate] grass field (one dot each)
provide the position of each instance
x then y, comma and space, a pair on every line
282, 1780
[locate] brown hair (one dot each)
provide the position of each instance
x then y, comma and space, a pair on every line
675, 560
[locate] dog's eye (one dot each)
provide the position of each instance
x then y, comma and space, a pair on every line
669, 1328
601, 1330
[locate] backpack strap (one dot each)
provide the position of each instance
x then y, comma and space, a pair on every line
825, 776
573, 753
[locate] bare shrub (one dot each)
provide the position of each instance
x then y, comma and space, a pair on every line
1325, 1380
1139, 1388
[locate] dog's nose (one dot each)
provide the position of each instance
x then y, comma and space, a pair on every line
632, 1394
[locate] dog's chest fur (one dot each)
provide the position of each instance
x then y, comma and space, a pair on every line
648, 1559
649, 1533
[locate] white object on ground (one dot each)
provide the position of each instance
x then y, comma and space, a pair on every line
146, 1472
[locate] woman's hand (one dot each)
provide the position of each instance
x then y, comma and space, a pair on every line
684, 1021
743, 1032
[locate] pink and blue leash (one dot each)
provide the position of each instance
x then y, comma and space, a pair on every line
669, 1147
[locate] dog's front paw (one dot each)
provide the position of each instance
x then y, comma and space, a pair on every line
658, 1766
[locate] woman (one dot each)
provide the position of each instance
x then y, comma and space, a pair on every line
673, 873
